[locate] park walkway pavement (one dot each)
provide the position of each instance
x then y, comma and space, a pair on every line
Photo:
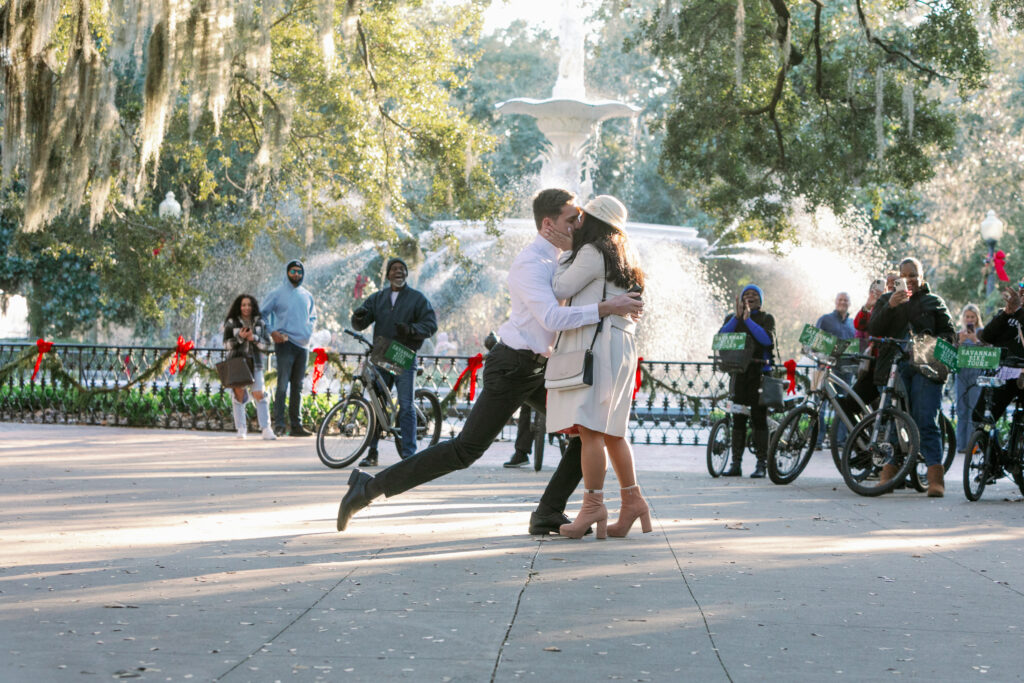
174, 555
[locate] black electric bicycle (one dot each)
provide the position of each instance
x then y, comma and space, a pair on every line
370, 408
989, 457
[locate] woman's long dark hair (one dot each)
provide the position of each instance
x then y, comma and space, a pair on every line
236, 308
619, 258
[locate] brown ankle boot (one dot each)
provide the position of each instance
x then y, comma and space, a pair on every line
887, 473
592, 510
936, 481
633, 506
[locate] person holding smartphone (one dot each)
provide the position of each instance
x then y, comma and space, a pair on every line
912, 308
966, 390
244, 333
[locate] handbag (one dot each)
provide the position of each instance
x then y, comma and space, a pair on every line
236, 372
772, 394
572, 369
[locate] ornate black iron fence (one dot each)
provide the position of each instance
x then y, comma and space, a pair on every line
143, 386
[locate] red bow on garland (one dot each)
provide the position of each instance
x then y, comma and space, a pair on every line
790, 375
361, 282
475, 363
999, 261
639, 377
44, 347
318, 366
181, 354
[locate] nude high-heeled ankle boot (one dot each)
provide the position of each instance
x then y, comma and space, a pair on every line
633, 506
592, 511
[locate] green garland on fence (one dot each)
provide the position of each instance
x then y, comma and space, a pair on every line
52, 364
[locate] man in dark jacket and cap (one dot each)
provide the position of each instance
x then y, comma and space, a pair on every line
403, 314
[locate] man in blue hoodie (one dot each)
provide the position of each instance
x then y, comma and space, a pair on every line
290, 315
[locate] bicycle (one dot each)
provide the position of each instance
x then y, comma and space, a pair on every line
792, 445
370, 408
987, 460
719, 449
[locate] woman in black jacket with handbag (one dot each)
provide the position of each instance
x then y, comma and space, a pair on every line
244, 332
744, 386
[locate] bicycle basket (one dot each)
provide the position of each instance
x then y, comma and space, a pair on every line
738, 360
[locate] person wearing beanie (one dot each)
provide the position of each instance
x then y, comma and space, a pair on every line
400, 313
750, 319
290, 314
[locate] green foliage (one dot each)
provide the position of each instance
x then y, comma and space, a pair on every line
749, 136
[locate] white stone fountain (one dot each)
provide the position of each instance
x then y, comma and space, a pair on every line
569, 119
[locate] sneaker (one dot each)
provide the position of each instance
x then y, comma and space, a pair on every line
268, 434
240, 433
518, 459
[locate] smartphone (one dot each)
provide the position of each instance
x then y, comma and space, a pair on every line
970, 328
878, 285
900, 285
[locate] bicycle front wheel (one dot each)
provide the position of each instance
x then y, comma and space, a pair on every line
792, 445
345, 432
719, 446
885, 437
976, 465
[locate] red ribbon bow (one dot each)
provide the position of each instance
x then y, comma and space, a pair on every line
318, 366
361, 282
181, 354
999, 261
791, 375
475, 363
44, 347
639, 377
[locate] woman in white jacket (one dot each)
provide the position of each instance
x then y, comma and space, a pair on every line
601, 264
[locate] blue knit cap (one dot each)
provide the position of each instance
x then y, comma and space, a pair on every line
756, 289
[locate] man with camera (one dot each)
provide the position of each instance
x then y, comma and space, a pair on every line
911, 309
402, 314
513, 374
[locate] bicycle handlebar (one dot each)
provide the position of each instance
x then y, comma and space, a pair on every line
358, 337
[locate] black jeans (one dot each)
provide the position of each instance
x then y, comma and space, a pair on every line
291, 369
524, 430
511, 378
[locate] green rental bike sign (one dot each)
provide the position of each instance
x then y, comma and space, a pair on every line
817, 340
729, 341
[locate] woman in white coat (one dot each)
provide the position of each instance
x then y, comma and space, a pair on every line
601, 264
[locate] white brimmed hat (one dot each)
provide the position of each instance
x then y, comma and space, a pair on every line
608, 209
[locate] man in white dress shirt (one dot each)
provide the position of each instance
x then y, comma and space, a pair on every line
513, 373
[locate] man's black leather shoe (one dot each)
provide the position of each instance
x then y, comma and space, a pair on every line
544, 523
355, 499
758, 472
300, 431
518, 460
370, 460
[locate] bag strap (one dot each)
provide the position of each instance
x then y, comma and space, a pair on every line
600, 322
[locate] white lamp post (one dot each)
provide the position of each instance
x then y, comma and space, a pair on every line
991, 232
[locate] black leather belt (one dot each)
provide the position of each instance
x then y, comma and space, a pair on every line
525, 353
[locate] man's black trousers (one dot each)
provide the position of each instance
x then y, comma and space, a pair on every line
511, 378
